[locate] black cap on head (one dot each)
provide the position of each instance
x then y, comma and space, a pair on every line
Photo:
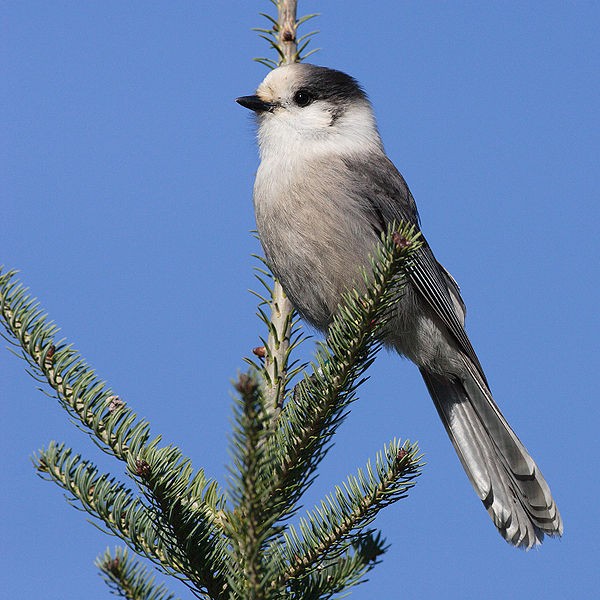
329, 84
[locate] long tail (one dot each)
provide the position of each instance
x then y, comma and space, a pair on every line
504, 475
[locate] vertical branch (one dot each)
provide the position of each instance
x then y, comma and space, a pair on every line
286, 34
278, 342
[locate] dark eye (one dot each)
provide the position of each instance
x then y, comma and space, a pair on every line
303, 98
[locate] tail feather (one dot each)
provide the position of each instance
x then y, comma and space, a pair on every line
504, 475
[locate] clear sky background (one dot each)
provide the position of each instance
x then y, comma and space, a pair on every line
127, 171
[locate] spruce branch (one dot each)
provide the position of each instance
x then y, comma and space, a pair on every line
120, 512
247, 526
282, 35
187, 505
275, 369
334, 577
127, 578
181, 546
278, 347
331, 529
113, 425
95, 408
190, 513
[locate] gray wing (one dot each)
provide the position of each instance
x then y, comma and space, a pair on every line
385, 197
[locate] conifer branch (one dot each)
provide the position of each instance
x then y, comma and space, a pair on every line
284, 335
187, 505
333, 577
277, 349
110, 502
127, 578
190, 511
247, 526
330, 529
282, 35
185, 549
96, 408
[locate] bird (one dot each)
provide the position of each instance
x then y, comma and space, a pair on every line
324, 192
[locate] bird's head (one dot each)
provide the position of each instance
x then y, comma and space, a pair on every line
306, 108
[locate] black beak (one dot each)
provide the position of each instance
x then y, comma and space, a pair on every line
255, 103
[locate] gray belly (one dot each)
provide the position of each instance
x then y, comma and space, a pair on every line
316, 252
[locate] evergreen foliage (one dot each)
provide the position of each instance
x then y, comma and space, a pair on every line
125, 577
238, 541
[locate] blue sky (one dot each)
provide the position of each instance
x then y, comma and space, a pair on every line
125, 196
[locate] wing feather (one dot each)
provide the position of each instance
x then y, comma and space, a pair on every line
385, 197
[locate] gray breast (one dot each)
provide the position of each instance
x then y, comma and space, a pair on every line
314, 234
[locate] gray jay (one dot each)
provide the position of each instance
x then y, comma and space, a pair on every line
324, 192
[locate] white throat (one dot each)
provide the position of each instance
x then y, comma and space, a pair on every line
284, 135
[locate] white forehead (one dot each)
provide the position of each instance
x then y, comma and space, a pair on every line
280, 82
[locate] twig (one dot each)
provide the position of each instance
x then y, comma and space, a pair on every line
281, 308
